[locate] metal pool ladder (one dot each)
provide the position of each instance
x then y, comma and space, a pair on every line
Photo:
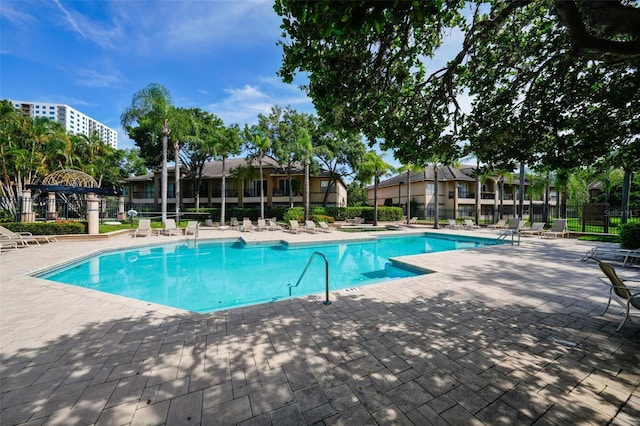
326, 275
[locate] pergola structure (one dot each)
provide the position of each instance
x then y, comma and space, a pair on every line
68, 181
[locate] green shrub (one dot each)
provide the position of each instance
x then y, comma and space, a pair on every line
630, 236
385, 214
59, 227
294, 213
322, 218
279, 211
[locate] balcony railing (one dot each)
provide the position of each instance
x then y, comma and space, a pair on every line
143, 194
217, 193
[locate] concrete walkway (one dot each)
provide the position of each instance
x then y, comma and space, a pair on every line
505, 335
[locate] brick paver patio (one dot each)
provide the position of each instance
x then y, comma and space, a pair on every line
503, 335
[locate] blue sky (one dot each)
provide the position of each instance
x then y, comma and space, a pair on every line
93, 55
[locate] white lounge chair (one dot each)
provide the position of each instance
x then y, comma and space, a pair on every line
558, 229
247, 226
144, 228
310, 226
262, 225
233, 222
192, 227
272, 224
536, 229
501, 224
23, 238
6, 242
170, 228
294, 227
453, 224
613, 254
627, 297
324, 227
468, 224
413, 220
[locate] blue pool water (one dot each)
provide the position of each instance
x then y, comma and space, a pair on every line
218, 275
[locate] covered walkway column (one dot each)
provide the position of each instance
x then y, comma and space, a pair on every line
27, 207
93, 205
52, 213
121, 213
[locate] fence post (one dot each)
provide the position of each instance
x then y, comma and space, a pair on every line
93, 211
27, 207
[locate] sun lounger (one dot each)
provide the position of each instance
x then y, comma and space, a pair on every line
502, 223
144, 228
536, 229
262, 225
6, 243
192, 227
468, 224
613, 254
294, 227
272, 224
310, 226
170, 228
453, 224
324, 227
558, 229
247, 226
23, 238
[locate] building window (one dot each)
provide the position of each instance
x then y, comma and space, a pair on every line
431, 188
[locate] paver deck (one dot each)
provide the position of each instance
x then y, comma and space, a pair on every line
499, 335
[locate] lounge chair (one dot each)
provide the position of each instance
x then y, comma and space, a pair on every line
144, 228
536, 229
613, 254
24, 238
192, 227
413, 220
294, 227
324, 227
627, 297
272, 224
262, 225
6, 242
233, 222
468, 224
453, 224
515, 225
558, 229
170, 228
502, 223
310, 226
247, 226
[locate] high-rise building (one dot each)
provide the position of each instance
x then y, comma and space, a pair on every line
73, 120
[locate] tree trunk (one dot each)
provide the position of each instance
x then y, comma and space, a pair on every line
478, 192
261, 191
626, 191
408, 196
176, 159
307, 202
501, 196
521, 193
223, 194
290, 187
163, 175
435, 193
376, 181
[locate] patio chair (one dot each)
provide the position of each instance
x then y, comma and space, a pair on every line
247, 226
6, 242
627, 297
192, 227
613, 254
536, 229
144, 228
24, 238
413, 220
502, 223
324, 227
558, 228
272, 224
310, 226
170, 228
294, 227
453, 224
468, 224
514, 227
233, 222
262, 225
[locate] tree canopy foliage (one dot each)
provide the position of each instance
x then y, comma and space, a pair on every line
554, 82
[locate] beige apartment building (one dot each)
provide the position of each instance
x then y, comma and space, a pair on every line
242, 190
457, 194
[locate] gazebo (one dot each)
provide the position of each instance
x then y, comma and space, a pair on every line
67, 181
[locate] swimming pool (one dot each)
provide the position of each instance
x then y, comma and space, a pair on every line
214, 275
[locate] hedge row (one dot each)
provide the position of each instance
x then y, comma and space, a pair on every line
630, 236
385, 214
59, 227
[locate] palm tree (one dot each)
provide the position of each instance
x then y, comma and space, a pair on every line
228, 142
153, 106
258, 145
408, 169
374, 167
